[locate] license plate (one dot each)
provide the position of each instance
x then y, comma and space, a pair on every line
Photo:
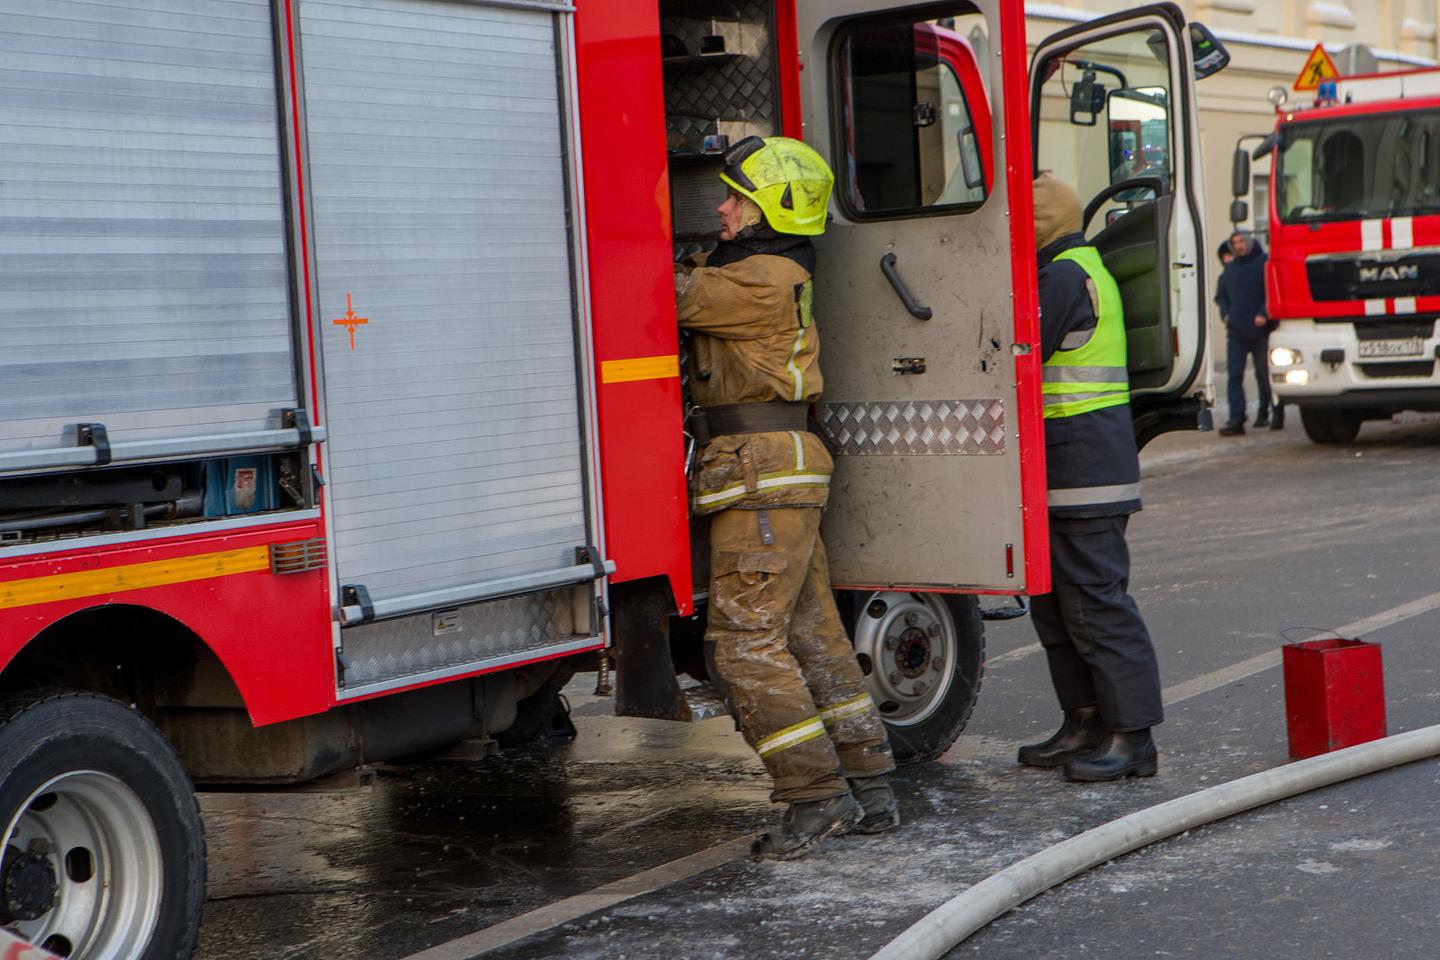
1408, 347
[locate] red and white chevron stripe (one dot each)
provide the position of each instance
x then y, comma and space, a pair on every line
1397, 233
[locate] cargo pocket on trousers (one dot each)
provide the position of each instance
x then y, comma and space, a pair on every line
740, 588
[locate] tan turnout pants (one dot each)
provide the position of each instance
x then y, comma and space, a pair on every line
784, 657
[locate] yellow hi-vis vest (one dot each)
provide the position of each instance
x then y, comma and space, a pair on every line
1089, 372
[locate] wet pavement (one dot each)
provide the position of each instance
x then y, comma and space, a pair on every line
1240, 540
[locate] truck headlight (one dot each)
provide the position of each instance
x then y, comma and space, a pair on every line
1297, 378
1284, 357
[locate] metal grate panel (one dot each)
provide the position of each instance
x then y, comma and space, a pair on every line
736, 94
918, 427
300, 556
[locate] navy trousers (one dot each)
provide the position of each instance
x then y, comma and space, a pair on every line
1097, 646
1236, 350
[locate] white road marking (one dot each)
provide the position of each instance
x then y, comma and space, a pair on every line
1255, 664
1264, 661
572, 908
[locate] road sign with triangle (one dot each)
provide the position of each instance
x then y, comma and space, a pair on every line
1319, 67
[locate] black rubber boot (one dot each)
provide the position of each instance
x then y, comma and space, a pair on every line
1078, 735
1129, 754
877, 800
805, 825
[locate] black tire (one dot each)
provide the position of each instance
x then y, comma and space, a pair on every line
923, 728
86, 745
1330, 427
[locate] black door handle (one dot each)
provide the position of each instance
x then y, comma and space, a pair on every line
887, 266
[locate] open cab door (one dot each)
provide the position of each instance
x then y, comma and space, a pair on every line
1113, 107
925, 298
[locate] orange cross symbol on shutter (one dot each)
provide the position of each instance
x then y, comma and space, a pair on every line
350, 321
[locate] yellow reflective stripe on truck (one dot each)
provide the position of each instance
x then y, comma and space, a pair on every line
133, 576
640, 368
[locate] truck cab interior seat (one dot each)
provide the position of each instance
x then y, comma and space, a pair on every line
1133, 250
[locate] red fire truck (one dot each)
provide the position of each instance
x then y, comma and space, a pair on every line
1353, 276
341, 404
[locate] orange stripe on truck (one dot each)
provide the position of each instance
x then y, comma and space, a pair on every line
640, 368
134, 576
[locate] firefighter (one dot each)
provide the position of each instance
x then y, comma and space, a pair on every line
1101, 660
775, 636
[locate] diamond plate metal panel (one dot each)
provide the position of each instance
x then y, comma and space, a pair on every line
734, 94
408, 647
916, 427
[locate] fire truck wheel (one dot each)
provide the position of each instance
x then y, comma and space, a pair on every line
923, 655
1330, 426
104, 853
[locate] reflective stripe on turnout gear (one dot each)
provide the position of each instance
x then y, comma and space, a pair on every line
709, 498
791, 736
1092, 375
853, 707
1084, 496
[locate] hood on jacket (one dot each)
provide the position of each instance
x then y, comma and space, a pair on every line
1256, 247
1057, 210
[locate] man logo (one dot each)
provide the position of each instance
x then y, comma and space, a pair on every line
1381, 274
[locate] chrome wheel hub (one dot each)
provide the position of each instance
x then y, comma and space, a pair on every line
82, 872
907, 645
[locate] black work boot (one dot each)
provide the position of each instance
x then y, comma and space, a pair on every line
805, 825
1078, 735
1235, 428
877, 800
1263, 420
1129, 754
1277, 419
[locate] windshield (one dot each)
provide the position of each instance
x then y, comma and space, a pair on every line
1359, 167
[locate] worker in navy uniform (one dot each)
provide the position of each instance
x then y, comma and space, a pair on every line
1101, 660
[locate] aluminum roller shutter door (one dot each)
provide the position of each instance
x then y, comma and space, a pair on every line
143, 282
437, 184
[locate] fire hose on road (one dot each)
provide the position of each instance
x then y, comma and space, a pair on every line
949, 924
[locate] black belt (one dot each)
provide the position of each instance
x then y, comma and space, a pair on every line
723, 419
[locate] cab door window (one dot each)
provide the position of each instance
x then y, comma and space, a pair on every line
914, 124
1105, 118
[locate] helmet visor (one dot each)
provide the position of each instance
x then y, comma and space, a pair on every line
735, 159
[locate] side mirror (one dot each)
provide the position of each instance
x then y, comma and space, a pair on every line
1239, 211
1206, 52
1240, 174
1087, 100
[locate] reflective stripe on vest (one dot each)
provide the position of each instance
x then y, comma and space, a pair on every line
1093, 375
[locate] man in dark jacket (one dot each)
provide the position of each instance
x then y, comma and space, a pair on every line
1241, 297
1102, 663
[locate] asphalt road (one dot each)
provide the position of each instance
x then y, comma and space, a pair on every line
1243, 543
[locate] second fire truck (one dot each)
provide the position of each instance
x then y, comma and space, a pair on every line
1354, 272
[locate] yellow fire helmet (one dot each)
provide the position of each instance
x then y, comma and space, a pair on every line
787, 179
